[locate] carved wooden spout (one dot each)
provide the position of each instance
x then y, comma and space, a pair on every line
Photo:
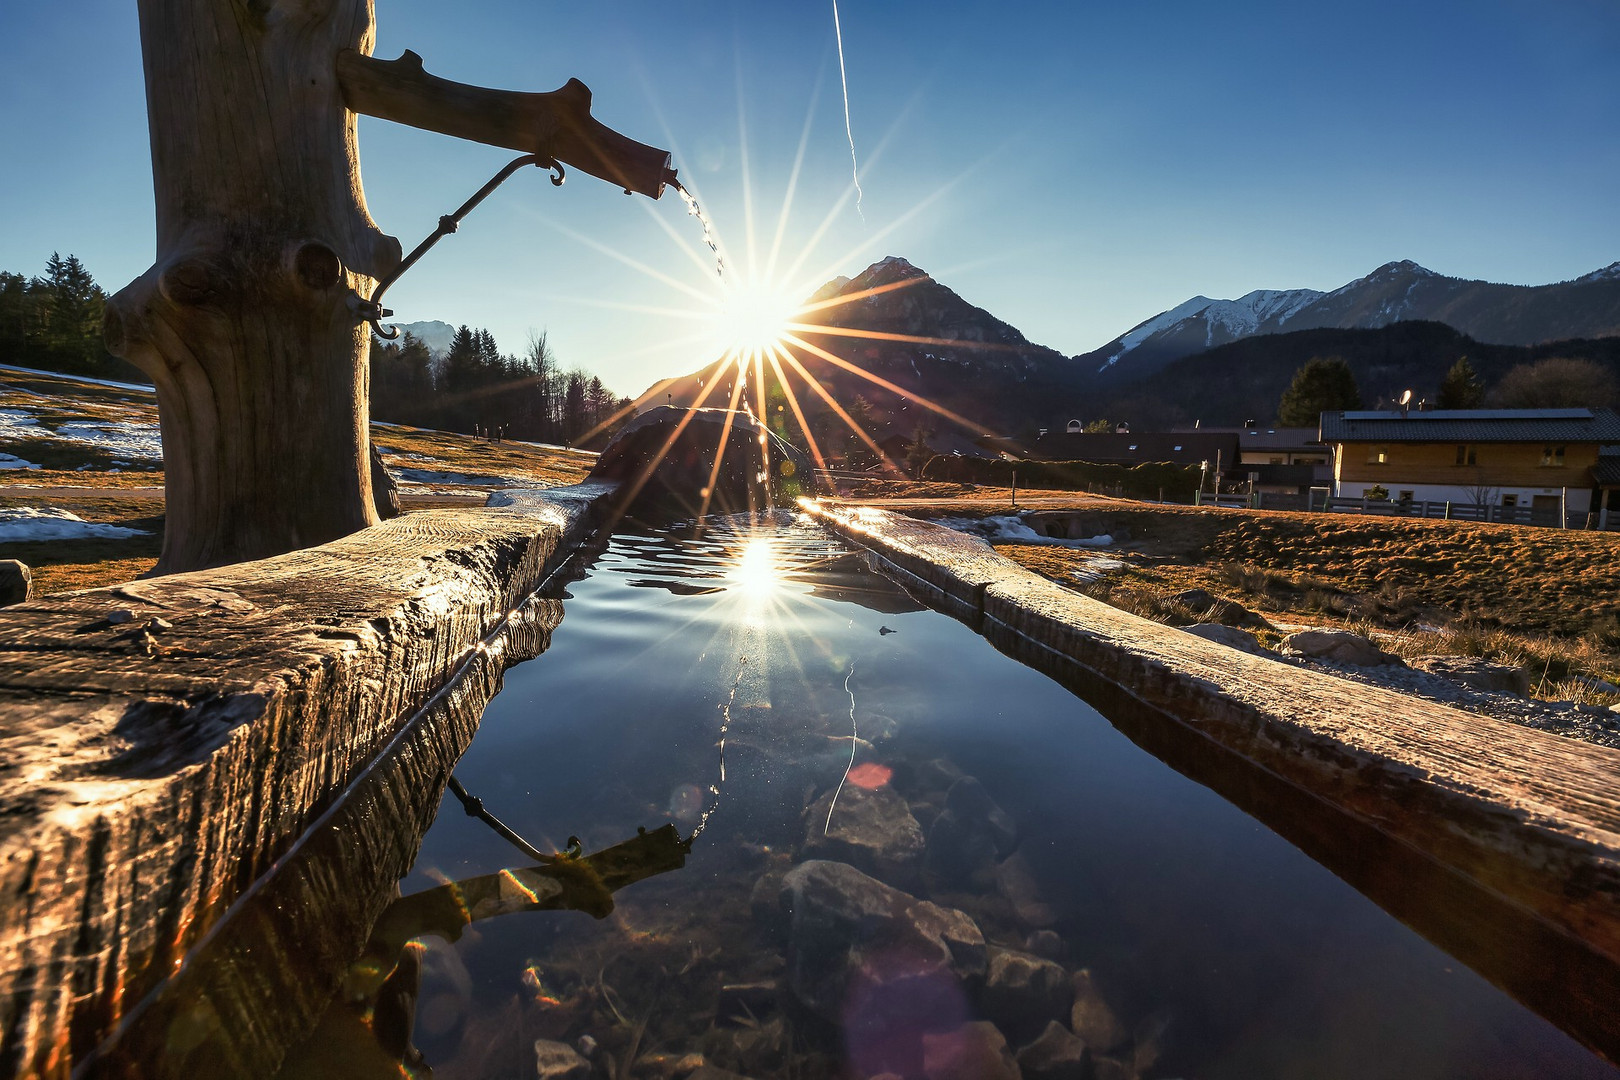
558, 124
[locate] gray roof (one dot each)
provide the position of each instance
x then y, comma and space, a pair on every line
1130, 448
1474, 425
1267, 438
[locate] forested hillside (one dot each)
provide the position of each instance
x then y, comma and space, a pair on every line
53, 322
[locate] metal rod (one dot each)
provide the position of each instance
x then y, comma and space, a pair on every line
373, 310
475, 808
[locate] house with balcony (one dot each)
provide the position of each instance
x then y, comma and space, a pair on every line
1544, 459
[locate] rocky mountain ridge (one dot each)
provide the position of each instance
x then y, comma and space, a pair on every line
917, 338
1585, 307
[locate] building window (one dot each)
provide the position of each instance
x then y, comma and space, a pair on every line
1278, 461
1466, 456
1177, 446
1510, 500
1552, 455
1132, 446
1378, 455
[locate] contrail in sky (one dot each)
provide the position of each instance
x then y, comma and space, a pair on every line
843, 77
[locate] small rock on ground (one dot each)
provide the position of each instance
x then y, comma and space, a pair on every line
1339, 646
1230, 636
16, 582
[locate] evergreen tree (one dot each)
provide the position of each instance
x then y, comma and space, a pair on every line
573, 406
1461, 388
1324, 384
73, 309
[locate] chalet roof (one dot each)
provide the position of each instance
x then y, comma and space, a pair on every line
1607, 470
1474, 425
1268, 438
1130, 448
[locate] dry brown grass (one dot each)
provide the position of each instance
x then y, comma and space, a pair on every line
1543, 599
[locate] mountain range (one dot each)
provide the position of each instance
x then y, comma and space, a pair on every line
1216, 361
1587, 307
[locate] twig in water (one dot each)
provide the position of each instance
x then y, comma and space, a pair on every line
854, 738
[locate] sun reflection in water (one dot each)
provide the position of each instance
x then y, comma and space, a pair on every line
757, 571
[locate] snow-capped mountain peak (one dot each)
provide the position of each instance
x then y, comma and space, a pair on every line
1608, 273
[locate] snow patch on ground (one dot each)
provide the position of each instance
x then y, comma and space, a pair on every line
430, 476
9, 461
13, 419
125, 438
28, 523
1011, 529
137, 387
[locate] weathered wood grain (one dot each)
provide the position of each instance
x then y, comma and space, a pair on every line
1500, 843
163, 743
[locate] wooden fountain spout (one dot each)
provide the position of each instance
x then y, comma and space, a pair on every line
558, 125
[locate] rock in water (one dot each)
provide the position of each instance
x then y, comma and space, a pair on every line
853, 939
1058, 1054
872, 830
975, 1051
16, 582
968, 836
1016, 883
1022, 993
559, 1061
1091, 1018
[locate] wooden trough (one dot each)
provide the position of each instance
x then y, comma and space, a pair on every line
241, 761
1499, 843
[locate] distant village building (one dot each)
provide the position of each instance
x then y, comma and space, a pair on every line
1218, 448
1278, 461
1540, 458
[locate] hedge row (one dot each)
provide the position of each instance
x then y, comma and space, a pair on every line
1177, 483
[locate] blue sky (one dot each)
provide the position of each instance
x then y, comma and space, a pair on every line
1073, 167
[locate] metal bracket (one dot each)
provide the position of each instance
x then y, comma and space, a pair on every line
372, 310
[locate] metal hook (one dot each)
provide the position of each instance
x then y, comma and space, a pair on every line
372, 310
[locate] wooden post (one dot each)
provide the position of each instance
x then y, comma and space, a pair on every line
1563, 508
249, 321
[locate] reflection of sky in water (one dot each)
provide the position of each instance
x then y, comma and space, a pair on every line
1256, 961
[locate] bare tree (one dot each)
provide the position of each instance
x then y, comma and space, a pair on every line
251, 322
1481, 491
543, 368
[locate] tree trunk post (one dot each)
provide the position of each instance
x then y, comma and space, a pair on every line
244, 322
252, 320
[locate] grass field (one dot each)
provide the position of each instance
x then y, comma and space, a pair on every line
86, 439
1544, 599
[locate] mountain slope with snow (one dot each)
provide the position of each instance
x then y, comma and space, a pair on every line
1587, 307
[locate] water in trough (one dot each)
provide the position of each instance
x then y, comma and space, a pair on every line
917, 857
